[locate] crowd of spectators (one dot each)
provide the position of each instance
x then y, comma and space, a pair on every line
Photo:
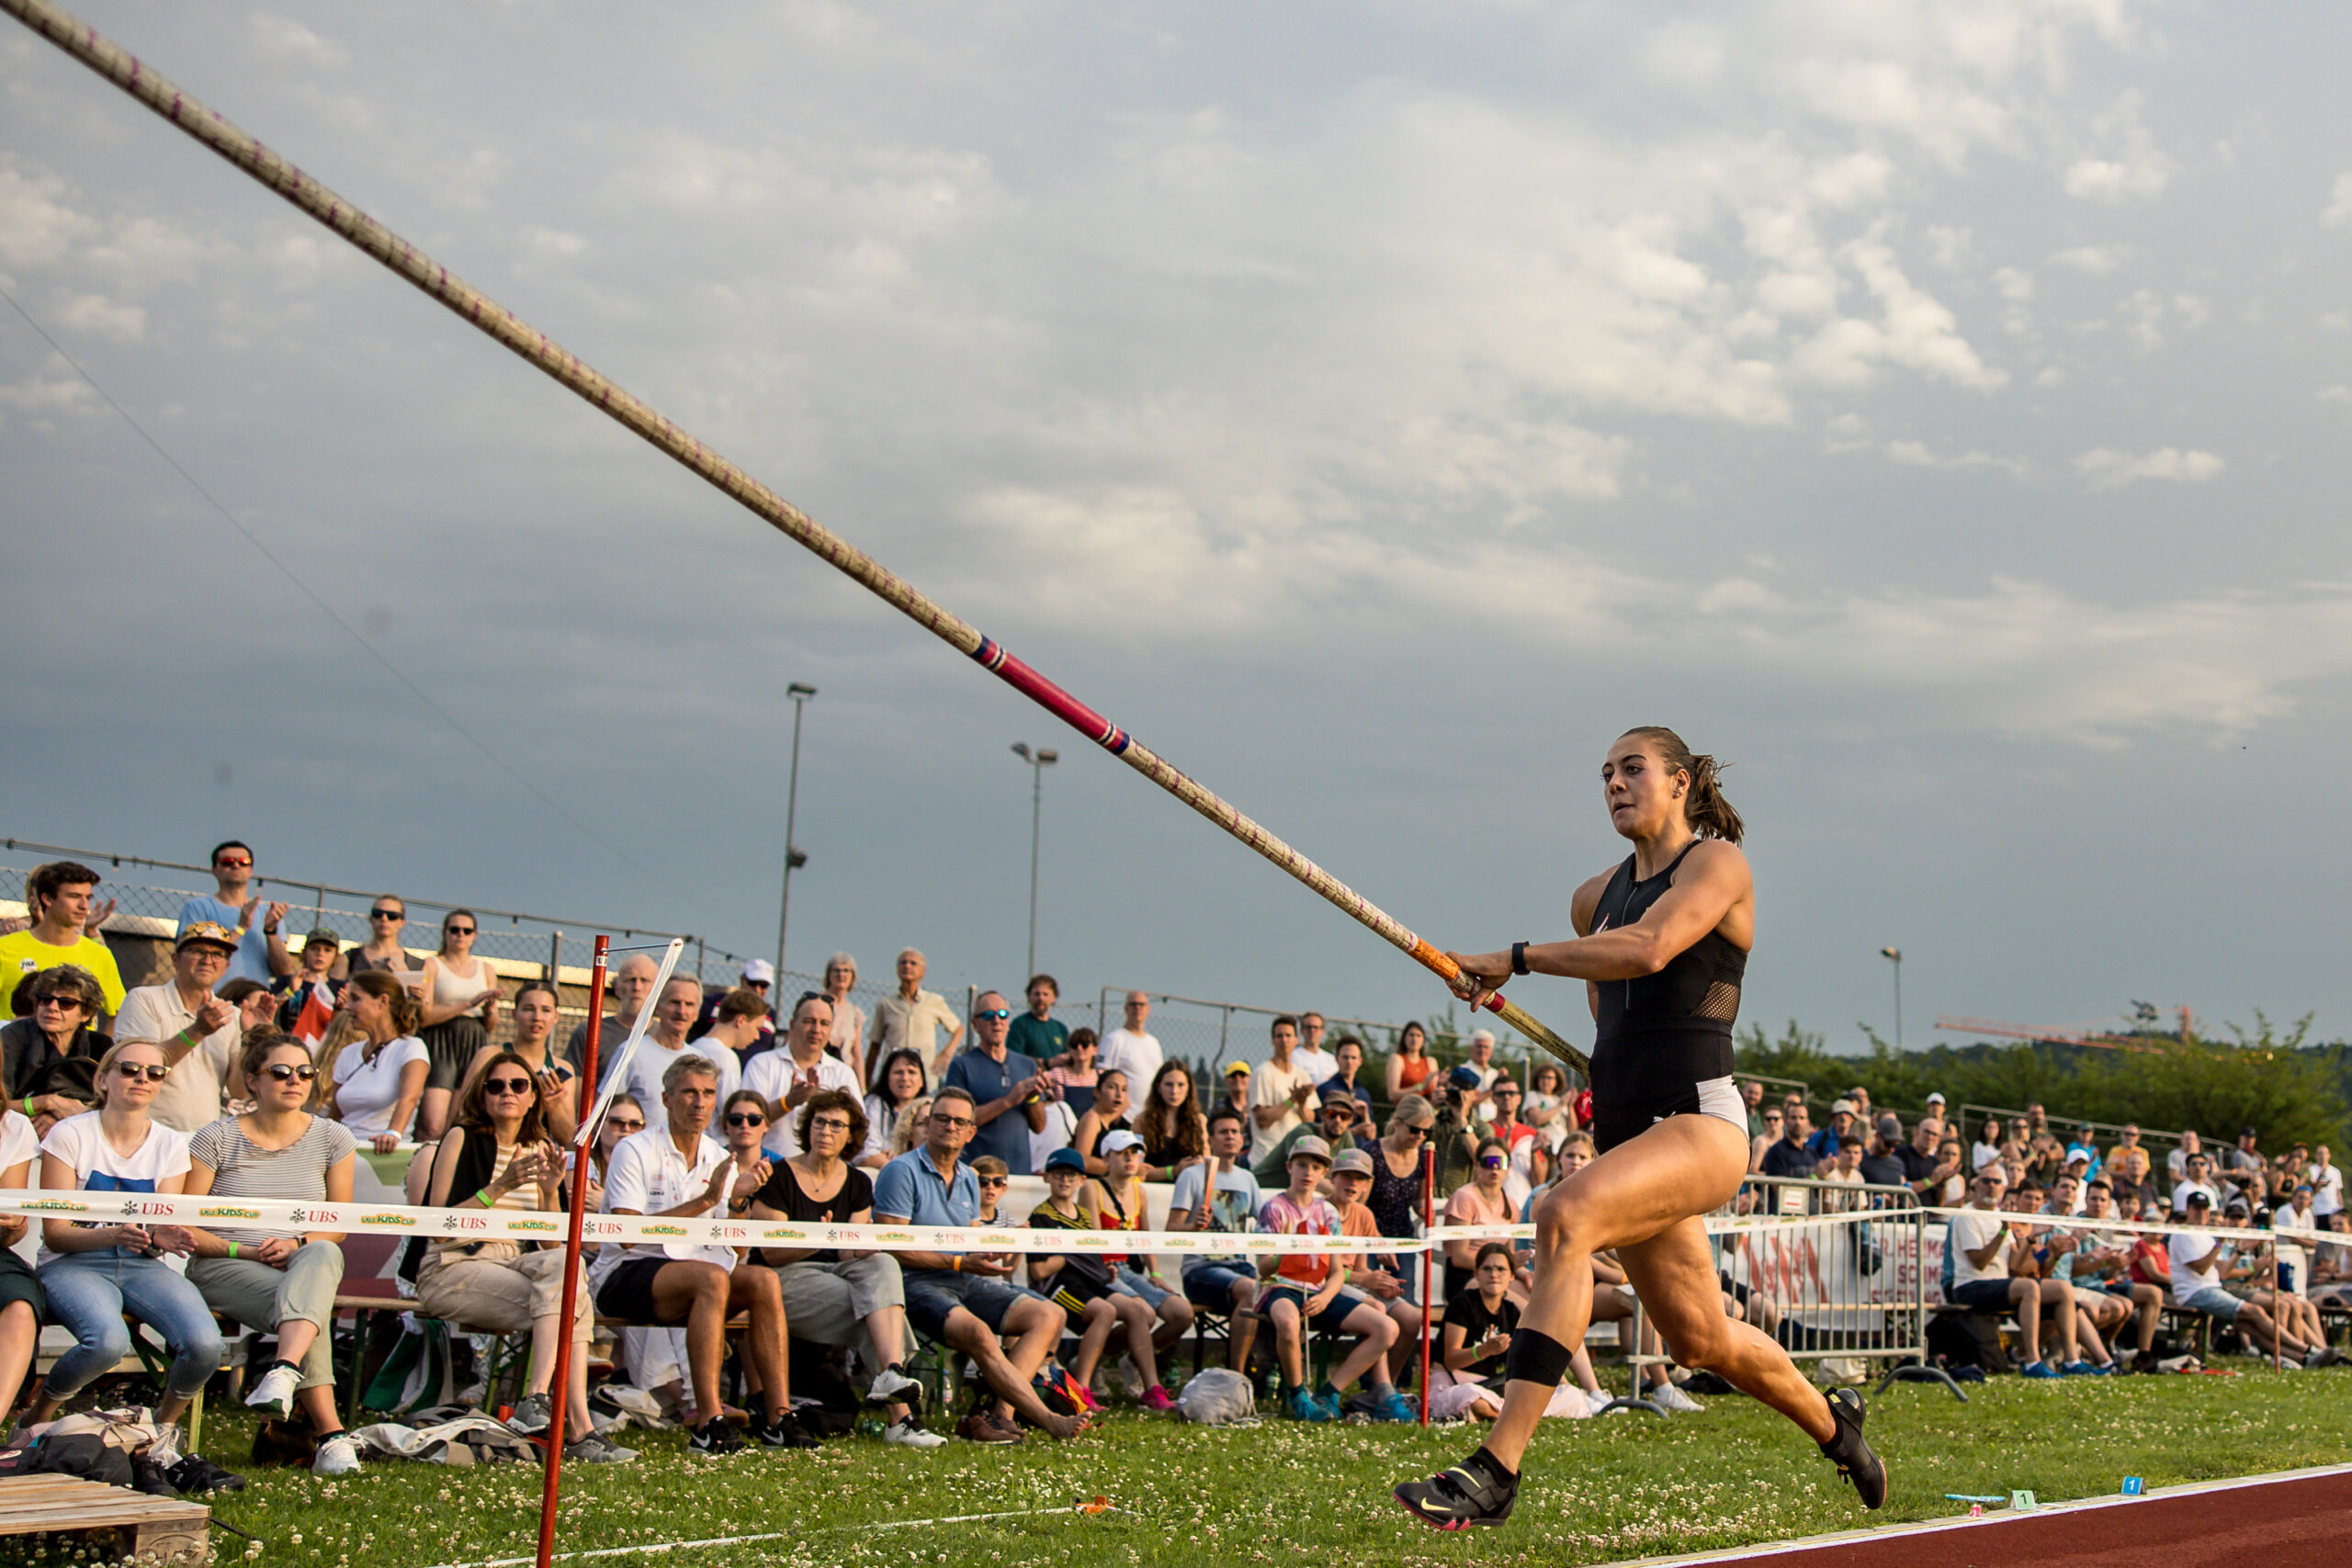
263, 1067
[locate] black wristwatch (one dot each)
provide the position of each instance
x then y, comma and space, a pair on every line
1519, 958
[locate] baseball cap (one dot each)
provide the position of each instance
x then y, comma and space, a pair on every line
1353, 1162
2196, 1199
761, 970
1341, 1097
1113, 1142
1844, 1107
2238, 1206
1237, 1066
2080, 1157
1464, 1077
1066, 1160
1935, 1099
213, 932
1890, 1126
1310, 1145
2247, 1133
320, 933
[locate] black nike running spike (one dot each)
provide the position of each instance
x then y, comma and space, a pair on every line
1458, 1499
1850, 1454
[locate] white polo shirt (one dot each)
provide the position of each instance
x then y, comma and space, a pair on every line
771, 1076
653, 1059
649, 1176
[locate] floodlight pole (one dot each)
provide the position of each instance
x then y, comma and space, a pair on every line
1041, 759
1894, 955
793, 858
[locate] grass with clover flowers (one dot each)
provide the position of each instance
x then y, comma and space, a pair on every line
1621, 1486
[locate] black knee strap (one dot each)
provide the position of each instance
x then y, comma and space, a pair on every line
1536, 1357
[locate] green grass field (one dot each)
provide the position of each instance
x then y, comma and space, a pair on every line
1620, 1486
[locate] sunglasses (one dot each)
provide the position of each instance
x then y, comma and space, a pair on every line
746, 1119
1418, 1132
617, 1125
996, 1181
388, 914
1493, 1162
232, 862
1000, 1014
456, 931
62, 1004
284, 1071
133, 1071
507, 1085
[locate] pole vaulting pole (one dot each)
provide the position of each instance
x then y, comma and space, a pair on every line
583, 1154
108, 60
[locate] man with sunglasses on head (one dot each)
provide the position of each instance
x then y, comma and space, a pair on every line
787, 1079
261, 953
58, 896
1009, 1090
200, 1033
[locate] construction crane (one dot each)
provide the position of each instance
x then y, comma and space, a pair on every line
2099, 1039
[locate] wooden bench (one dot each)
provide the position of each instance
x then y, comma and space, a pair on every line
165, 1528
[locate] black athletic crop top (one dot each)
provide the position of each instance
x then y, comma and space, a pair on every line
1697, 991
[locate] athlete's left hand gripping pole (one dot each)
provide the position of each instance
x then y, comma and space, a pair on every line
85, 44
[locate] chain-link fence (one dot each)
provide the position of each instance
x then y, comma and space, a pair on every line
148, 895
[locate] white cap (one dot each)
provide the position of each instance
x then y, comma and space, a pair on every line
761, 970
1935, 1099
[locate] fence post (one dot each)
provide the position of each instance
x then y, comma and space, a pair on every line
555, 959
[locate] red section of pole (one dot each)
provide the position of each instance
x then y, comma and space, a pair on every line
583, 1166
1428, 1221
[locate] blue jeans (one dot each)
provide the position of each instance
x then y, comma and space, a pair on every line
88, 1294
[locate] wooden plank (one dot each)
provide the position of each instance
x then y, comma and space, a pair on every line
30, 1503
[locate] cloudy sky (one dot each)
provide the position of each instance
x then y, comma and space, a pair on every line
1936, 410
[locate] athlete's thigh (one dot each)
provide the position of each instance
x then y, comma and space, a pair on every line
1673, 1275
1678, 1168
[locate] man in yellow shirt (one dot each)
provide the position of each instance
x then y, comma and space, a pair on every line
58, 896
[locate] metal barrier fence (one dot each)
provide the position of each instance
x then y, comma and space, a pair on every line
151, 909
1199, 1029
1835, 1272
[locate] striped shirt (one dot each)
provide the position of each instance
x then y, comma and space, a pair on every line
242, 1169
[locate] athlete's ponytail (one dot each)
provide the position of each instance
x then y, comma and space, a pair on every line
1705, 808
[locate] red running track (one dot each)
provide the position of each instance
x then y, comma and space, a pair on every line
2303, 1518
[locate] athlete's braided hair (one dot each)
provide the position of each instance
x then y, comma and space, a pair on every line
1706, 808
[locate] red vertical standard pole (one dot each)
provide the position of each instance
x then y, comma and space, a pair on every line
583, 1166
1428, 1223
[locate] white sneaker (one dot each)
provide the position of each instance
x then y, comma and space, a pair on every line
892, 1386
1599, 1400
907, 1434
1665, 1397
275, 1391
164, 1451
337, 1456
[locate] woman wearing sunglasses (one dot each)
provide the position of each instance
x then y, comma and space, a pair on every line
268, 1276
497, 1157
1480, 1200
94, 1273
51, 1047
378, 1078
383, 949
536, 1010
460, 997
742, 1127
625, 1117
